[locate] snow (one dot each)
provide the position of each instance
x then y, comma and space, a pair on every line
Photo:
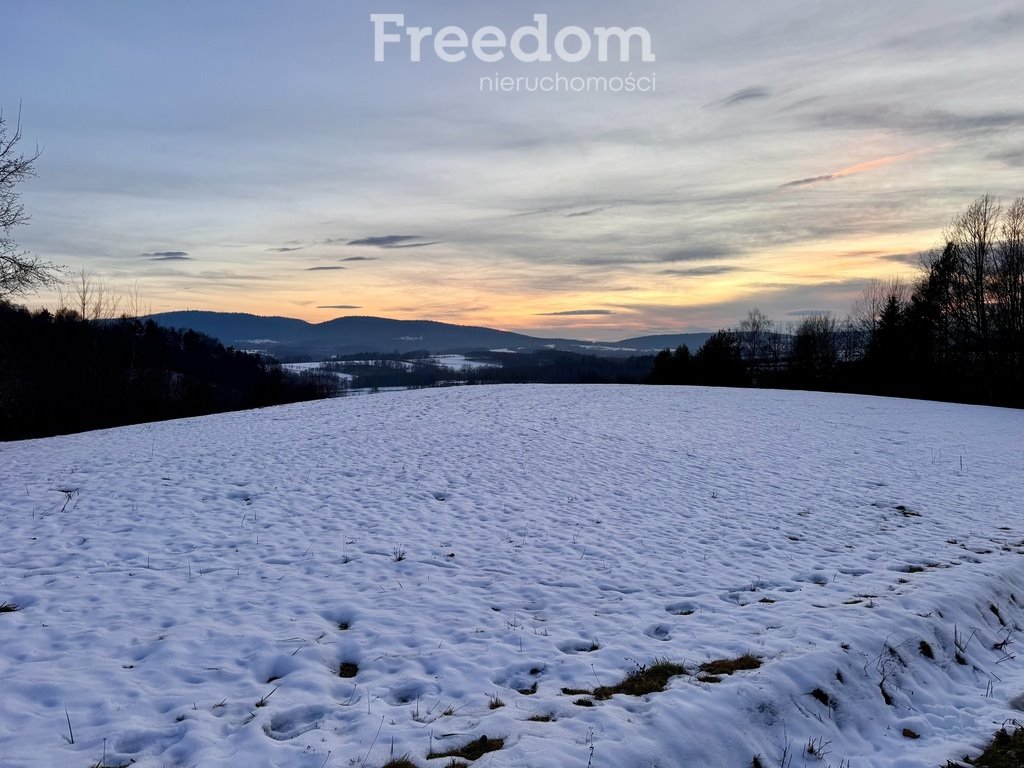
460, 362
315, 366
469, 543
408, 365
595, 347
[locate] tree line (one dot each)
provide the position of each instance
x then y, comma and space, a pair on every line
61, 373
955, 333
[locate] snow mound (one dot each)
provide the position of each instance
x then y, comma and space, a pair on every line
336, 583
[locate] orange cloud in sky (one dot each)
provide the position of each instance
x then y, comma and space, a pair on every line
870, 165
880, 162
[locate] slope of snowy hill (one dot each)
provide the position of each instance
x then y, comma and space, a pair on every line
835, 581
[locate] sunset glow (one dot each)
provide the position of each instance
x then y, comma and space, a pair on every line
277, 168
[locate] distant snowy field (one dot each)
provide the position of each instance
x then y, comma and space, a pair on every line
460, 362
189, 591
451, 362
309, 367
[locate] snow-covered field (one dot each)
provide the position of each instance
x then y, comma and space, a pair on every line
188, 592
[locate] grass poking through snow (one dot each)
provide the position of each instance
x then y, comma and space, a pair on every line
1005, 751
719, 667
641, 681
713, 671
471, 751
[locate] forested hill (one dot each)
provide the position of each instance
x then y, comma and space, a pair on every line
290, 338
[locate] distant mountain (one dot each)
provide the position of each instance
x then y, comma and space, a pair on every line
235, 328
665, 341
288, 338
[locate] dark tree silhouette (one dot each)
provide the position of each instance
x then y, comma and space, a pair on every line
61, 374
20, 273
815, 354
720, 362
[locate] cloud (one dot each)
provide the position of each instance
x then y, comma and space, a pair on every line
339, 306
914, 259
858, 254
699, 253
809, 180
323, 269
706, 252
1012, 158
392, 241
959, 32
808, 313
752, 93
216, 280
877, 116
591, 212
414, 245
167, 256
576, 313
286, 249
705, 271
228, 274
360, 258
384, 241
853, 170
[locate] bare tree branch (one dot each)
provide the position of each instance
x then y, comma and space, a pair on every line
20, 272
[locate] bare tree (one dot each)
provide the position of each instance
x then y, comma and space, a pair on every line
816, 347
20, 273
973, 235
82, 291
754, 337
778, 343
1008, 283
866, 313
133, 304
852, 344
867, 310
91, 298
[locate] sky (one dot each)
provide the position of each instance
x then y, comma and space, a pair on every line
255, 157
